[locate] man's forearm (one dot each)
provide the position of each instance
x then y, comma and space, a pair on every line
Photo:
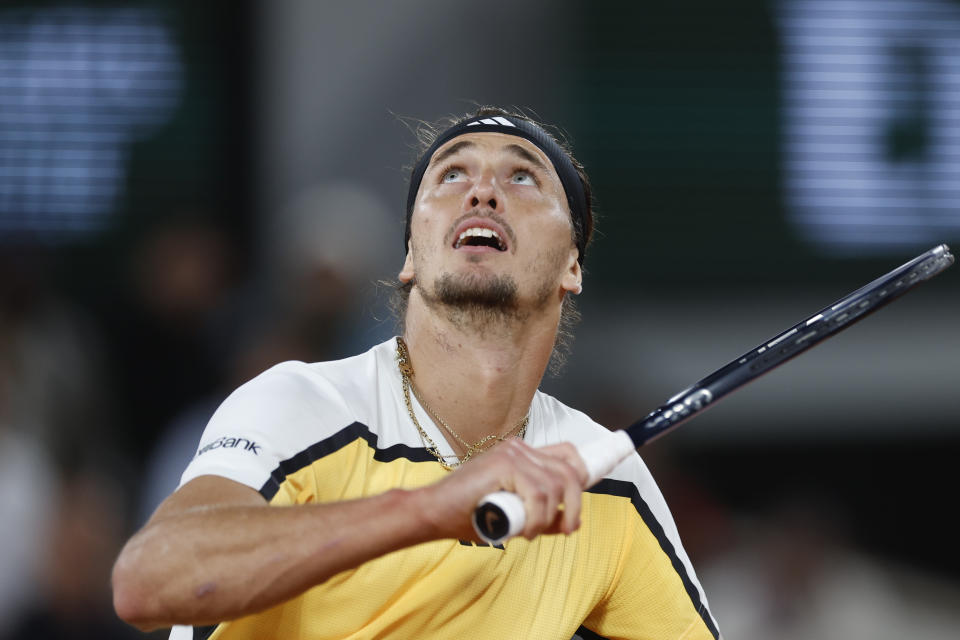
210, 564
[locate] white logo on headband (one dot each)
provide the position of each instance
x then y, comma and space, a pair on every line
495, 120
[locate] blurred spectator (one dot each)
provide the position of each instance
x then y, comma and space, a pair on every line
325, 252
318, 300
26, 506
52, 409
792, 576
86, 533
164, 332
53, 383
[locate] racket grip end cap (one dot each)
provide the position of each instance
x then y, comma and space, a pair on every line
498, 517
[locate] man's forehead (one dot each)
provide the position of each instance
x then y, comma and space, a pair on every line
493, 141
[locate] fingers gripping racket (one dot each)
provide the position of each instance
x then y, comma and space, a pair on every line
501, 515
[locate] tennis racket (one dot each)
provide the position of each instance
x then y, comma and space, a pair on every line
501, 515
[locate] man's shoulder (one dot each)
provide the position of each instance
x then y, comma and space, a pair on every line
564, 423
288, 409
300, 396
328, 378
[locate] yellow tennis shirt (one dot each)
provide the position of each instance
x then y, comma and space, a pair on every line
313, 433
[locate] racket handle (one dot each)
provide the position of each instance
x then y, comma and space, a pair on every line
500, 515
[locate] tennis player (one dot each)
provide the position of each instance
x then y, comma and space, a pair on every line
334, 499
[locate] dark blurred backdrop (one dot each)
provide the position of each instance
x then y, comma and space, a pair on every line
191, 192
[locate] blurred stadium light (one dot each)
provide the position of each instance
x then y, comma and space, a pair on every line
77, 86
871, 122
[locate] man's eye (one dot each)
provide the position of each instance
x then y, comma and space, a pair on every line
453, 175
523, 177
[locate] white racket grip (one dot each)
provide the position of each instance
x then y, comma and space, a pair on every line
600, 456
500, 515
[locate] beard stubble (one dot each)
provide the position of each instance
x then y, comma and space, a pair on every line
482, 302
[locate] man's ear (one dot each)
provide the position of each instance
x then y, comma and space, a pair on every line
573, 277
406, 272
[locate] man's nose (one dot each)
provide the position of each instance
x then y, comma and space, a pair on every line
484, 194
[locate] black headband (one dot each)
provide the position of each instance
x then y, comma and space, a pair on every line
569, 178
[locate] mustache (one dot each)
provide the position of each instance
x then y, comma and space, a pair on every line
483, 213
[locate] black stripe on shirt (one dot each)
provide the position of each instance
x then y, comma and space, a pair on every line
585, 634
351, 433
202, 633
333, 444
629, 490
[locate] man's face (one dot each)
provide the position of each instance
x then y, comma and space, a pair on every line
491, 227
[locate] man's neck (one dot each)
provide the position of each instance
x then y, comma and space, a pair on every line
480, 382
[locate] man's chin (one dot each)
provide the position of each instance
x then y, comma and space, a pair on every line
477, 291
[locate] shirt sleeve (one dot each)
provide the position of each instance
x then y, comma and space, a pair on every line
265, 421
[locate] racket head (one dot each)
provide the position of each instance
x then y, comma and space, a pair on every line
790, 343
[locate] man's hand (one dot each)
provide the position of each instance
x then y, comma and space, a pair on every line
549, 480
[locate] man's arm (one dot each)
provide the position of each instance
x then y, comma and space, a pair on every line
215, 551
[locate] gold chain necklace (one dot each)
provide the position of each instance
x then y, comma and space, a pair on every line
406, 372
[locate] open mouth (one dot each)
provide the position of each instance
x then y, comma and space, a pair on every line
480, 237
